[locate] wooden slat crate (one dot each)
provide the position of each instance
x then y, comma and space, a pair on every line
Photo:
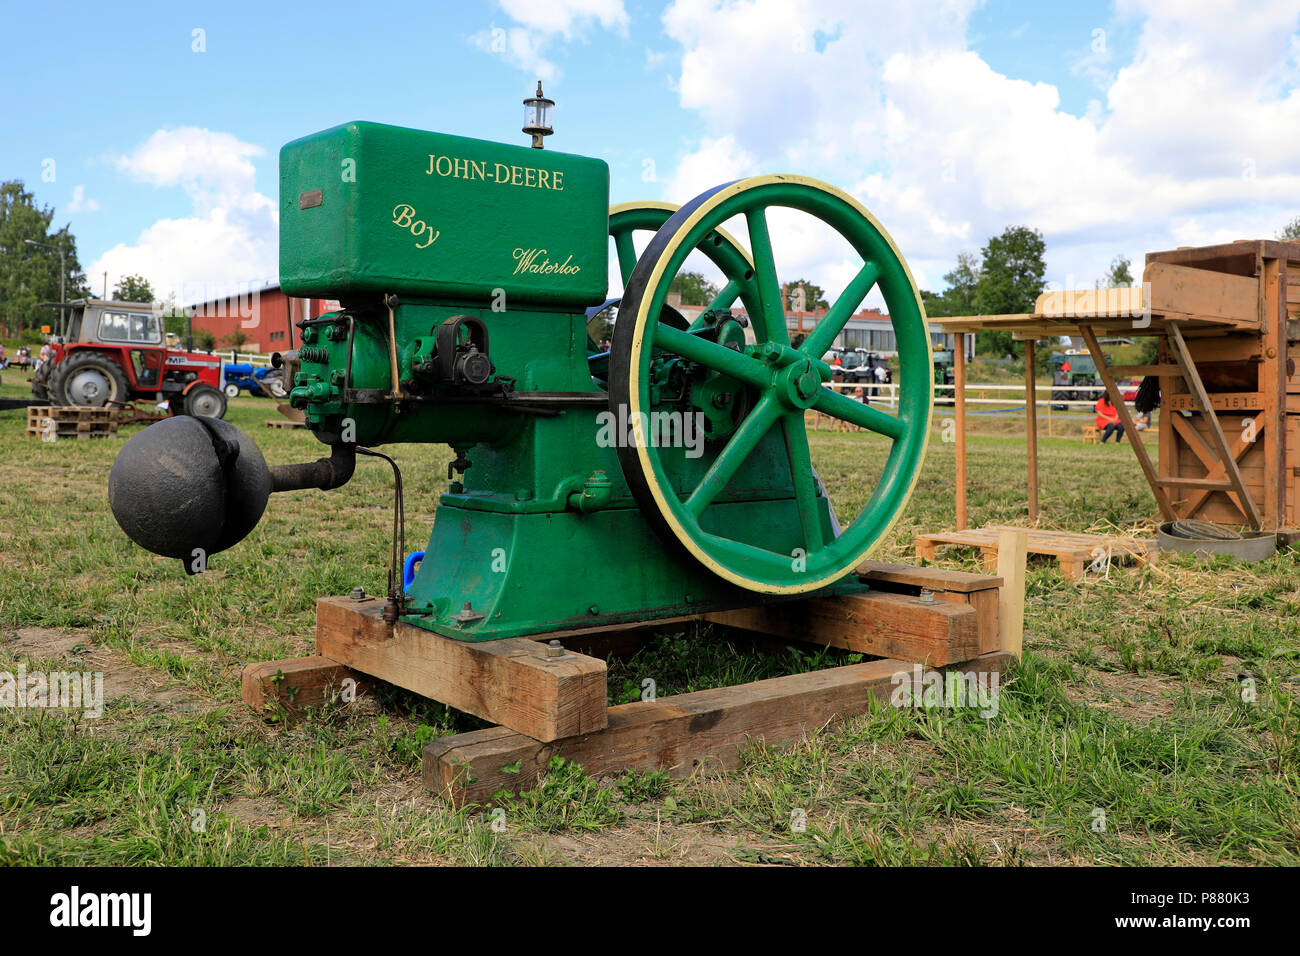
51, 422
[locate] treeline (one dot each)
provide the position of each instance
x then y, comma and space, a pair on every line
1007, 277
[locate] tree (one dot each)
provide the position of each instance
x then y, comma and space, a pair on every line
814, 296
1119, 275
236, 338
1291, 230
693, 288
30, 273
1011, 279
133, 289
959, 297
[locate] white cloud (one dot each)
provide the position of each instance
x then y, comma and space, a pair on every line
229, 240
540, 24
1196, 141
567, 17
79, 202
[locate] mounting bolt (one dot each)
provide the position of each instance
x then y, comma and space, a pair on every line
927, 596
357, 594
554, 649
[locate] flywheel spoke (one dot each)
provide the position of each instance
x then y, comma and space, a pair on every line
742, 442
626, 254
823, 336
769, 287
805, 486
710, 354
857, 413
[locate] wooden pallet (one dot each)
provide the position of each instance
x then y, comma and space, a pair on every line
548, 705
284, 423
52, 422
1075, 551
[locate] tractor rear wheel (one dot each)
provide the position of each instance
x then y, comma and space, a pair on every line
87, 378
204, 401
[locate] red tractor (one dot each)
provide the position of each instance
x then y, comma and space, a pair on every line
115, 352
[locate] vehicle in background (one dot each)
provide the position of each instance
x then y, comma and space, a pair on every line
115, 352
943, 375
1074, 378
263, 382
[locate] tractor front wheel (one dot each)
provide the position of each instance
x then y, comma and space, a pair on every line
87, 378
204, 401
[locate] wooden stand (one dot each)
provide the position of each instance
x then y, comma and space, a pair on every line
551, 700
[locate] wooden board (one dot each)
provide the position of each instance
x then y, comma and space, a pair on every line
284, 689
683, 734
876, 573
881, 624
510, 682
1201, 292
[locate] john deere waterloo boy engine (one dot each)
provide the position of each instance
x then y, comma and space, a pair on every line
667, 474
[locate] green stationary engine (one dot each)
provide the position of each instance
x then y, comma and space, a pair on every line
668, 474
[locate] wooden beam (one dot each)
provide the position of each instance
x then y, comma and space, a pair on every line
1031, 429
1212, 483
510, 681
682, 734
1012, 547
1272, 385
1175, 288
878, 623
284, 689
959, 415
1133, 371
936, 579
1220, 443
1219, 401
1134, 437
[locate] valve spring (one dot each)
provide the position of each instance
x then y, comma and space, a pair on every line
311, 354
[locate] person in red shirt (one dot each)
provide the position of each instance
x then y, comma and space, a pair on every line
1108, 420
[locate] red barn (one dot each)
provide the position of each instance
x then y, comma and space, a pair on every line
264, 316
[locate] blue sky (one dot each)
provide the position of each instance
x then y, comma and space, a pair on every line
941, 119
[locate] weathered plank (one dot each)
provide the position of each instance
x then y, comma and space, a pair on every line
511, 682
284, 689
935, 579
682, 734
879, 623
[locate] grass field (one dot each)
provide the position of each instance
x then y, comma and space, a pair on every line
1127, 706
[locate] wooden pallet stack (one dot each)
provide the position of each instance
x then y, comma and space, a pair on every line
549, 700
52, 422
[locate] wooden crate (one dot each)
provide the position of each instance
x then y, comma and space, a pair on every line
546, 705
1250, 373
52, 422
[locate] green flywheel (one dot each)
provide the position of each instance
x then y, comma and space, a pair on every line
782, 382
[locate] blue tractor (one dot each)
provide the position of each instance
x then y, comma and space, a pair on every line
242, 376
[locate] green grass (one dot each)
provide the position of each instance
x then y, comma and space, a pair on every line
1127, 703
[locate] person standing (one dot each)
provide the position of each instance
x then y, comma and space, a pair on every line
1108, 420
